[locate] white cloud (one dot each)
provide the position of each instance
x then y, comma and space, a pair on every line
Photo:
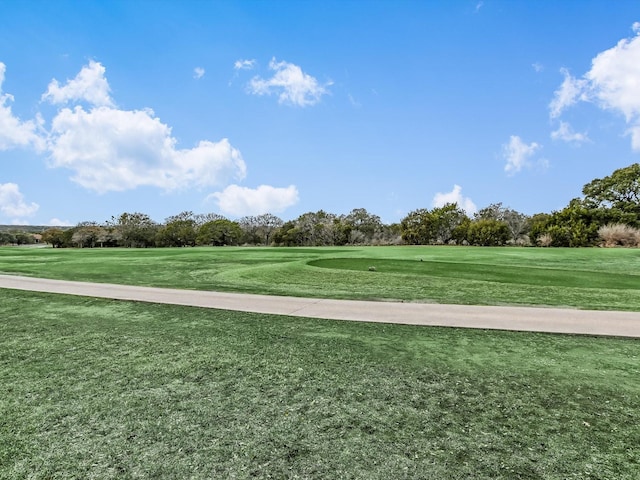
239, 201
517, 154
244, 64
13, 132
614, 78
12, 203
114, 150
90, 85
56, 222
455, 196
294, 87
612, 83
634, 132
198, 73
571, 90
538, 67
20, 221
566, 134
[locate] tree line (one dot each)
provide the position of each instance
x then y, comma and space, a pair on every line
188, 229
608, 213
17, 237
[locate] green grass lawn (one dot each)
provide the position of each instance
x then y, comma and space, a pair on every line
592, 278
109, 389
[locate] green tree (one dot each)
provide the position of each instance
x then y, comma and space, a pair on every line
488, 232
267, 224
446, 219
620, 190
202, 218
515, 221
24, 238
537, 226
417, 228
576, 225
288, 235
7, 238
249, 225
260, 229
219, 233
108, 237
53, 236
135, 229
423, 227
344, 233
461, 232
67, 236
86, 234
390, 235
178, 231
361, 226
316, 228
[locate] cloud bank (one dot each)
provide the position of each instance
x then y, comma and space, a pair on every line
612, 83
110, 149
56, 222
90, 85
566, 134
455, 196
240, 201
198, 73
293, 86
12, 203
244, 64
518, 154
13, 131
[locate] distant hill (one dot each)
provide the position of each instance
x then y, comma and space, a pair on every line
28, 228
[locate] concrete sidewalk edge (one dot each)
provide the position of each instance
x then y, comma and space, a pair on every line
532, 319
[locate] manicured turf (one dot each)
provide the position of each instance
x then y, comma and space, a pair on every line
521, 275
107, 389
592, 278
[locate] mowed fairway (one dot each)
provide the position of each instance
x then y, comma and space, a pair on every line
112, 389
604, 279
115, 389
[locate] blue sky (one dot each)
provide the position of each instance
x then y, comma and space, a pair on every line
248, 107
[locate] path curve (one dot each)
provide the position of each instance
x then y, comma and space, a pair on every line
551, 320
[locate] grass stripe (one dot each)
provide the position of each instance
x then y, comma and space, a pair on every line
107, 389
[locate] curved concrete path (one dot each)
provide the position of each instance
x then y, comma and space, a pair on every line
552, 320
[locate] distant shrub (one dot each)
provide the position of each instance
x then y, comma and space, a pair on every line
395, 240
545, 240
521, 241
488, 232
619, 235
382, 239
524, 241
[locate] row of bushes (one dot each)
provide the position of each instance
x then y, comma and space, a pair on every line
18, 238
225, 232
612, 235
607, 214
